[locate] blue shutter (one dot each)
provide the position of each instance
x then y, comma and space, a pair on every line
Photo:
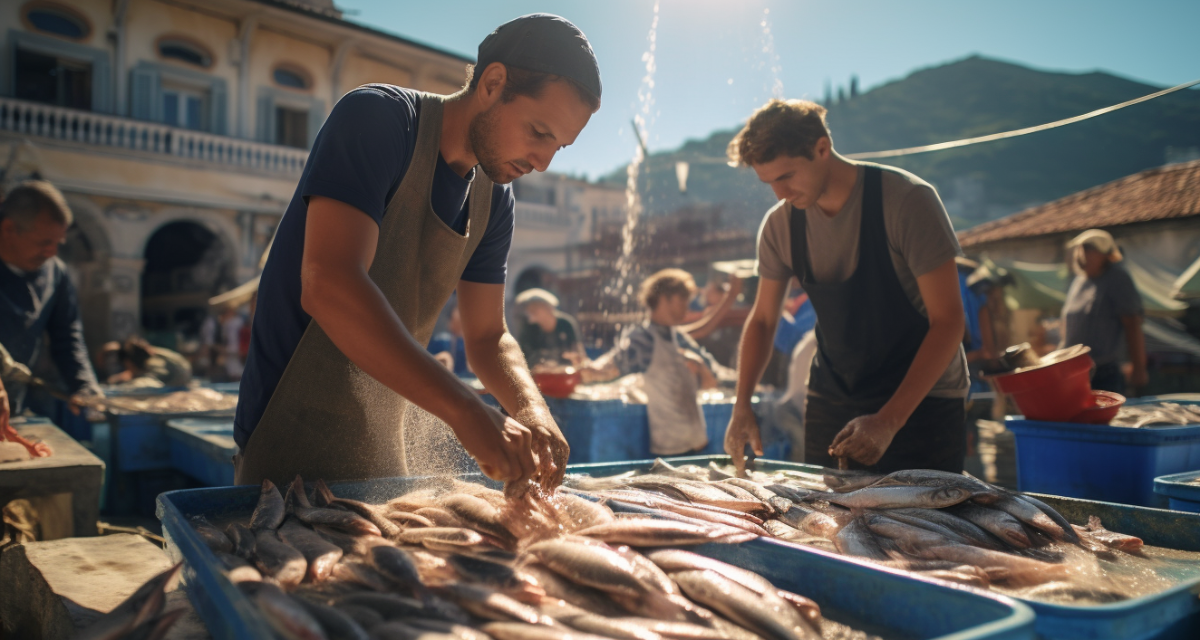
266, 118
316, 117
219, 99
145, 94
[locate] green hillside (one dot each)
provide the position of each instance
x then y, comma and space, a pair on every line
970, 97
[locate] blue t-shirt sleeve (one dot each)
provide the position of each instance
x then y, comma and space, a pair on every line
489, 263
363, 150
634, 351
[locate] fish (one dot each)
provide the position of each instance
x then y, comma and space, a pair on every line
405, 519
242, 538
487, 572
283, 613
970, 579
896, 497
768, 615
492, 605
356, 572
440, 517
910, 538
396, 565
948, 525
142, 606
810, 521
237, 569
845, 481
1033, 515
213, 538
320, 554
428, 626
441, 537
587, 622
653, 532
388, 605
981, 492
580, 512
355, 545
600, 567
270, 510
525, 631
277, 559
366, 617
1001, 567
1000, 524
637, 512
648, 572
856, 540
700, 511
375, 514
322, 495
756, 490
340, 519
478, 514
698, 492
557, 587
1096, 531
676, 560
1064, 532
337, 624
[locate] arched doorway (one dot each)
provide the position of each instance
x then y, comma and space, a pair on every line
186, 264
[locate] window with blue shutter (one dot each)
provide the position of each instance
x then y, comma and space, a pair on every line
178, 97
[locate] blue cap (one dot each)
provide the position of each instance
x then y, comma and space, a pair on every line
544, 43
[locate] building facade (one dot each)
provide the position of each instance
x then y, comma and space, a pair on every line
177, 129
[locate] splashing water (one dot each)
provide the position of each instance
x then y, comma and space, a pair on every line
622, 289
772, 56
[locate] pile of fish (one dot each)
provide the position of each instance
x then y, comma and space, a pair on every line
944, 525
190, 401
1157, 414
459, 560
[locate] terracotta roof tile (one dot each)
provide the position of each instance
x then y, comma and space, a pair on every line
1163, 193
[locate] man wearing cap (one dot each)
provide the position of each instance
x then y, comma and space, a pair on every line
1103, 308
404, 199
549, 335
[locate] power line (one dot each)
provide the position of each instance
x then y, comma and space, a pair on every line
953, 144
908, 151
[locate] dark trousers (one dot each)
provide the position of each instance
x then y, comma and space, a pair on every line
1108, 377
933, 437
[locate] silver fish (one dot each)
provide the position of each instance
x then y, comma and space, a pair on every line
896, 497
767, 615
270, 510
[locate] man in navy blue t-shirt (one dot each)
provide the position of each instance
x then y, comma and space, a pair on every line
533, 90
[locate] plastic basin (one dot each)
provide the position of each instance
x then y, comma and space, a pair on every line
557, 384
1054, 393
888, 603
1181, 489
1105, 406
203, 449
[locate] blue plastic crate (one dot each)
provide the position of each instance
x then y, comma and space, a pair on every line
1173, 614
203, 449
889, 603
1181, 489
1099, 462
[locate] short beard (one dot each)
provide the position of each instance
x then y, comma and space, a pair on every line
480, 136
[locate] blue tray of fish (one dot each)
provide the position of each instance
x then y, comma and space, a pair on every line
891, 604
1173, 613
1182, 490
203, 448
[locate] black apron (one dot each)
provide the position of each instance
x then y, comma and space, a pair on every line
868, 333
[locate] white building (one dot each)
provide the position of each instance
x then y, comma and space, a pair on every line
177, 130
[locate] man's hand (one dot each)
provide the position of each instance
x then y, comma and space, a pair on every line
502, 446
549, 445
865, 438
742, 430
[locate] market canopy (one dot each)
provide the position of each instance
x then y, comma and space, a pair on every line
1187, 286
1044, 286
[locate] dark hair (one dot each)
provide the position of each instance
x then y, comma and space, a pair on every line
524, 82
30, 198
668, 282
137, 351
780, 127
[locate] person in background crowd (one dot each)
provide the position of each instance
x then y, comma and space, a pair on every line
718, 299
449, 347
549, 336
1104, 309
37, 297
220, 339
676, 367
149, 366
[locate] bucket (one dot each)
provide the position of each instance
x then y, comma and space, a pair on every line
1056, 390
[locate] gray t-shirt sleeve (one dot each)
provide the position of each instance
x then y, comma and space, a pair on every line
923, 231
774, 244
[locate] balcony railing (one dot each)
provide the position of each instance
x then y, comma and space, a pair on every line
86, 128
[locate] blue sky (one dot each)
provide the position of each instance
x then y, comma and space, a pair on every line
712, 70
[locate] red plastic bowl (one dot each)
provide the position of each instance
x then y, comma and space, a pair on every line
1106, 404
557, 384
1053, 392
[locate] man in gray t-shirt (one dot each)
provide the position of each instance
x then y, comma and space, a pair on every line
874, 249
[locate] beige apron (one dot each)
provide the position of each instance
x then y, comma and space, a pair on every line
672, 406
327, 419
